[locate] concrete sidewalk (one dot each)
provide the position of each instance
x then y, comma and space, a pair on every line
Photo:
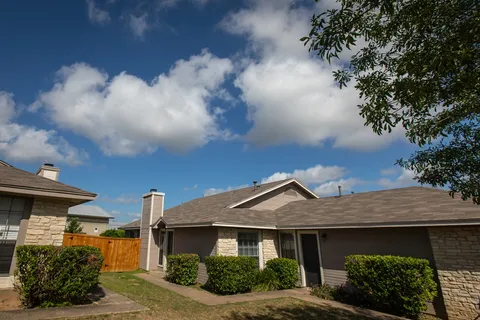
110, 304
303, 294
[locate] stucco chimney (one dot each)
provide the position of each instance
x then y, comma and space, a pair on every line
47, 170
152, 210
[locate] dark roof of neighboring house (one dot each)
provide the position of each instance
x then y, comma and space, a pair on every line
411, 206
132, 225
85, 210
14, 178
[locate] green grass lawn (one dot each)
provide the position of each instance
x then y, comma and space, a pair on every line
165, 304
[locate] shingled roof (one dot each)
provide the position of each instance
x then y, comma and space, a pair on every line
411, 206
15, 180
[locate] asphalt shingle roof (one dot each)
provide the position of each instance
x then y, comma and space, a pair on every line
15, 178
132, 225
84, 210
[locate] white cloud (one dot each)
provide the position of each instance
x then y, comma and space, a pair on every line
166, 4
313, 175
389, 171
291, 96
405, 179
28, 144
96, 15
331, 187
126, 115
138, 24
212, 191
194, 187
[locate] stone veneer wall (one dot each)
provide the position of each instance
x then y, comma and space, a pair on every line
456, 252
47, 222
270, 245
227, 242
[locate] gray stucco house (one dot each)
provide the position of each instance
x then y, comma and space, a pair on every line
33, 210
286, 219
94, 219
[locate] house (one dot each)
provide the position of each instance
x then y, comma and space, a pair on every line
94, 220
33, 210
286, 219
132, 229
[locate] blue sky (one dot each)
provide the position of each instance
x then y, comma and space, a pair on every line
191, 97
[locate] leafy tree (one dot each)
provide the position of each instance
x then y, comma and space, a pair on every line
113, 233
420, 69
73, 225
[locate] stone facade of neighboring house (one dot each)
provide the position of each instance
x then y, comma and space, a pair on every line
285, 219
33, 210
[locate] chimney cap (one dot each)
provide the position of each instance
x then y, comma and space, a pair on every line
153, 190
47, 164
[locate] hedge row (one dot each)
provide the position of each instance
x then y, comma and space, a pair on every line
50, 276
182, 268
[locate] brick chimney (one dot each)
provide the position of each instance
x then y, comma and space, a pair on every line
47, 170
152, 210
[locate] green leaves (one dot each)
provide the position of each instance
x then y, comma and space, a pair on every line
73, 225
182, 268
113, 233
286, 271
231, 275
419, 69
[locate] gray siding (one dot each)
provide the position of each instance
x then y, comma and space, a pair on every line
201, 241
277, 198
145, 231
202, 274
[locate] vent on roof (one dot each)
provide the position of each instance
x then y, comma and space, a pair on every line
153, 190
339, 191
254, 185
48, 164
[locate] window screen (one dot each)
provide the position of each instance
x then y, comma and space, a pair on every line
287, 244
248, 244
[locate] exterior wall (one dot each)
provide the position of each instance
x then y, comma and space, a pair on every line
89, 224
227, 242
202, 273
270, 245
154, 249
411, 242
201, 241
457, 256
277, 198
132, 233
47, 222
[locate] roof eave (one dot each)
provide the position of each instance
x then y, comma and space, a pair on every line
48, 193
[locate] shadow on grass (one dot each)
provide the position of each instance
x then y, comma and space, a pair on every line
324, 312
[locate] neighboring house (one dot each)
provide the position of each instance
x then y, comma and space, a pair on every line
286, 219
33, 210
94, 220
132, 229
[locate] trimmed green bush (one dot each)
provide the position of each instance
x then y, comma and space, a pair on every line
113, 233
231, 275
286, 271
52, 276
323, 291
397, 285
182, 268
266, 280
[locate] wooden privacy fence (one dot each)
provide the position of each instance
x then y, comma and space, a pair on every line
121, 254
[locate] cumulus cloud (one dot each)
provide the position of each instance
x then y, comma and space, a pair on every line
331, 187
96, 15
291, 97
404, 179
194, 187
123, 199
313, 175
28, 144
126, 115
212, 191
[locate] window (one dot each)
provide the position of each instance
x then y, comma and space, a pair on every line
287, 245
248, 244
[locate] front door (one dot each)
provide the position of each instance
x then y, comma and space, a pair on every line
311, 261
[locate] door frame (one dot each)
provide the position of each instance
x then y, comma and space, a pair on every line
300, 254
164, 245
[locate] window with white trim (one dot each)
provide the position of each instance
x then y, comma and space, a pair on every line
248, 244
287, 245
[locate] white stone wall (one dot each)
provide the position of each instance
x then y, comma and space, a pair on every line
457, 257
47, 222
227, 242
270, 246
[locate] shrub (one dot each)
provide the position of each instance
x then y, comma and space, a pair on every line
231, 275
323, 291
113, 233
49, 276
182, 268
73, 225
266, 280
397, 285
286, 270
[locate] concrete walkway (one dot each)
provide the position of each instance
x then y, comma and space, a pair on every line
110, 304
303, 294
